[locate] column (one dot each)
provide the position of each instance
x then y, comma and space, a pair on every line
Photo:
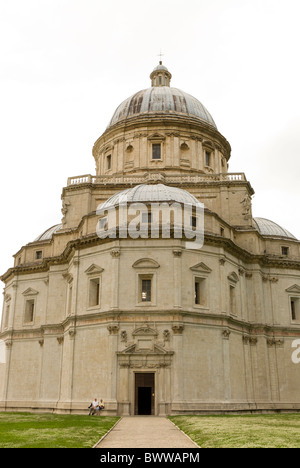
111, 399
72, 329
8, 346
248, 368
223, 297
123, 389
177, 277
274, 383
226, 365
178, 367
115, 253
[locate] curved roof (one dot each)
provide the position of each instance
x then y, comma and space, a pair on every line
151, 193
160, 67
269, 228
161, 99
47, 235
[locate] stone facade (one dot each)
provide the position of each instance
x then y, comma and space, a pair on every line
74, 325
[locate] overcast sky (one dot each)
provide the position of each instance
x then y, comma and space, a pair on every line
65, 65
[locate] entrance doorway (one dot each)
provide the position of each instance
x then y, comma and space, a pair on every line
144, 393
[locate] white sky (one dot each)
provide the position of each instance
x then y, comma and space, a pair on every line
65, 65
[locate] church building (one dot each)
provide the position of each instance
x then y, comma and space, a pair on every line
154, 323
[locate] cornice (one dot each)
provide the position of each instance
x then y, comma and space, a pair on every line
248, 257
209, 239
186, 317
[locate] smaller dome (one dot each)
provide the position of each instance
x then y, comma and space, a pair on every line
269, 228
47, 235
151, 193
160, 67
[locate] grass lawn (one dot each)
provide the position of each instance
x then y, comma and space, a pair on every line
246, 431
26, 430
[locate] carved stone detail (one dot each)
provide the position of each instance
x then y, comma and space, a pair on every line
226, 334
177, 329
124, 336
275, 342
113, 329
252, 340
166, 335
177, 253
115, 253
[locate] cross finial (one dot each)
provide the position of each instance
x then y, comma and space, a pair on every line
160, 56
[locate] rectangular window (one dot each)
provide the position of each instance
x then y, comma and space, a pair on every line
156, 151
284, 251
38, 255
94, 292
108, 162
29, 311
146, 290
200, 293
295, 308
197, 292
207, 158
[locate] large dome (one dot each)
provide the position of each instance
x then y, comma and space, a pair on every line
161, 98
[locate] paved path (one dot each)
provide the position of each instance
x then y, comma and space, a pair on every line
146, 432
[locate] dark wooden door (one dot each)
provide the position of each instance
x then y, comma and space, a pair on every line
144, 393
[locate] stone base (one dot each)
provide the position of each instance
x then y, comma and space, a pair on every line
112, 408
232, 408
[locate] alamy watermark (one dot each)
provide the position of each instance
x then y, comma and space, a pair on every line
296, 353
151, 221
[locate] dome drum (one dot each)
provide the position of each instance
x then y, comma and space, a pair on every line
181, 149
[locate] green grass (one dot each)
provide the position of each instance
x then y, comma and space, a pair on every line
246, 431
26, 430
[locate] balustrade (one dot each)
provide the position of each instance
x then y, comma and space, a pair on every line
156, 177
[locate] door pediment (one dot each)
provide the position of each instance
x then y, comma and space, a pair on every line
201, 268
30, 292
134, 349
146, 263
94, 270
294, 289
